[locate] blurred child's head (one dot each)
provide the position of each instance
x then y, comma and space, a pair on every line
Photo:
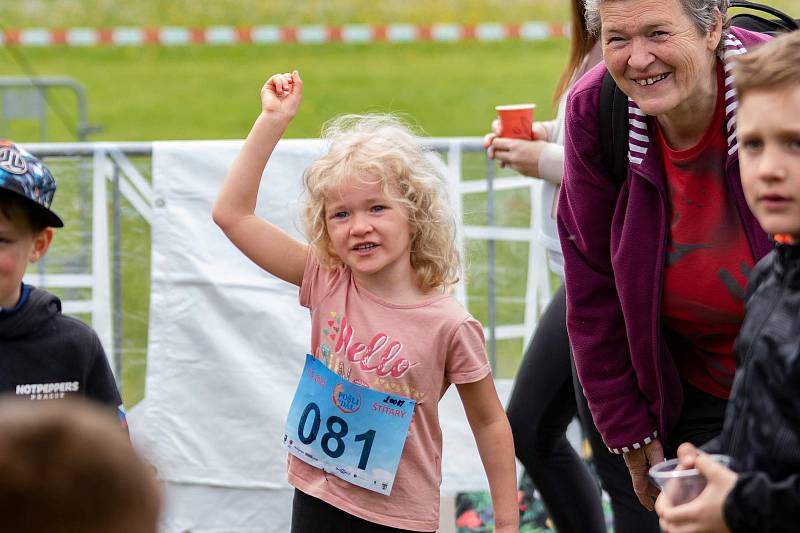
372, 151
26, 192
768, 129
67, 465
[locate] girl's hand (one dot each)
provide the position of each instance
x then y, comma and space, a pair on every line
281, 94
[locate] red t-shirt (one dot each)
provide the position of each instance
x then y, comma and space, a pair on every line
708, 260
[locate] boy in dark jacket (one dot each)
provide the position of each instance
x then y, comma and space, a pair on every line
762, 422
44, 355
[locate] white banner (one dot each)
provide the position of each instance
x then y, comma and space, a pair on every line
226, 340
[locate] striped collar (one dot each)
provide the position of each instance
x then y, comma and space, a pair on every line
638, 137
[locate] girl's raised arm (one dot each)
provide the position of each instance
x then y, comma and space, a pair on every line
234, 209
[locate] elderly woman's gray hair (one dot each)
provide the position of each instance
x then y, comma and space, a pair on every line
700, 11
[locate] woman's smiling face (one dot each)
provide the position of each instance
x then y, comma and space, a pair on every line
657, 56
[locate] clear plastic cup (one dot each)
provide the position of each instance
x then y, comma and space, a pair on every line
681, 485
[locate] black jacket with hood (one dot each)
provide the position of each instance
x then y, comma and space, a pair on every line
45, 355
762, 422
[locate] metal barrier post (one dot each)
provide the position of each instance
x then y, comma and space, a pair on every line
105, 279
40, 86
117, 275
101, 292
490, 265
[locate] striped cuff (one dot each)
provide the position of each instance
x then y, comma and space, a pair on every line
635, 445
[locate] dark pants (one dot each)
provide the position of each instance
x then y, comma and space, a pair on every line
543, 403
312, 515
701, 419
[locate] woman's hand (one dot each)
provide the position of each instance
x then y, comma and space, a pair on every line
489, 137
704, 513
521, 155
638, 463
281, 94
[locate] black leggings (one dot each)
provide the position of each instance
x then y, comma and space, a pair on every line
312, 515
543, 403
701, 419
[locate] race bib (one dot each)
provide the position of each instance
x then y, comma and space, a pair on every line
352, 432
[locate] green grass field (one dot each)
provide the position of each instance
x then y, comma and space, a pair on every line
151, 92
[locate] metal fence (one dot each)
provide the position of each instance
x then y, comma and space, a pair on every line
110, 186
29, 98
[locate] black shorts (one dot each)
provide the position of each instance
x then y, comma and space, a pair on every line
312, 515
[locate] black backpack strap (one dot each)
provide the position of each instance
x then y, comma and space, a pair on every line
781, 23
614, 129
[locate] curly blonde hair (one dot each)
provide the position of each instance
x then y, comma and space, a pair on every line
383, 148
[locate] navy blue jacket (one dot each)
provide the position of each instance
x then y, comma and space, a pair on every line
45, 355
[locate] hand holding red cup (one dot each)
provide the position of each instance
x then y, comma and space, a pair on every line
516, 121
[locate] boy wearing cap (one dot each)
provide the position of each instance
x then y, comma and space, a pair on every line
44, 355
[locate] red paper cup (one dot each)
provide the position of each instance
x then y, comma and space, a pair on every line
516, 121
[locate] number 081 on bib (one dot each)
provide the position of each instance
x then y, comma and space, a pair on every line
352, 432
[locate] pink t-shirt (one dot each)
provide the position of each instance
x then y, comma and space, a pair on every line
412, 350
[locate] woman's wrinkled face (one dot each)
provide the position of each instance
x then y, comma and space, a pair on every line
658, 57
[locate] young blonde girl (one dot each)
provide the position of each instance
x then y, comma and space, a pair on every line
380, 257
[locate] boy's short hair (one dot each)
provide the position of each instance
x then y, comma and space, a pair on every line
26, 182
773, 65
13, 207
67, 465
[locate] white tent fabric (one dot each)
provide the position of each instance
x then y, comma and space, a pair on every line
226, 345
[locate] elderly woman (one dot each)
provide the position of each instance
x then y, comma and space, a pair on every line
545, 398
656, 265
